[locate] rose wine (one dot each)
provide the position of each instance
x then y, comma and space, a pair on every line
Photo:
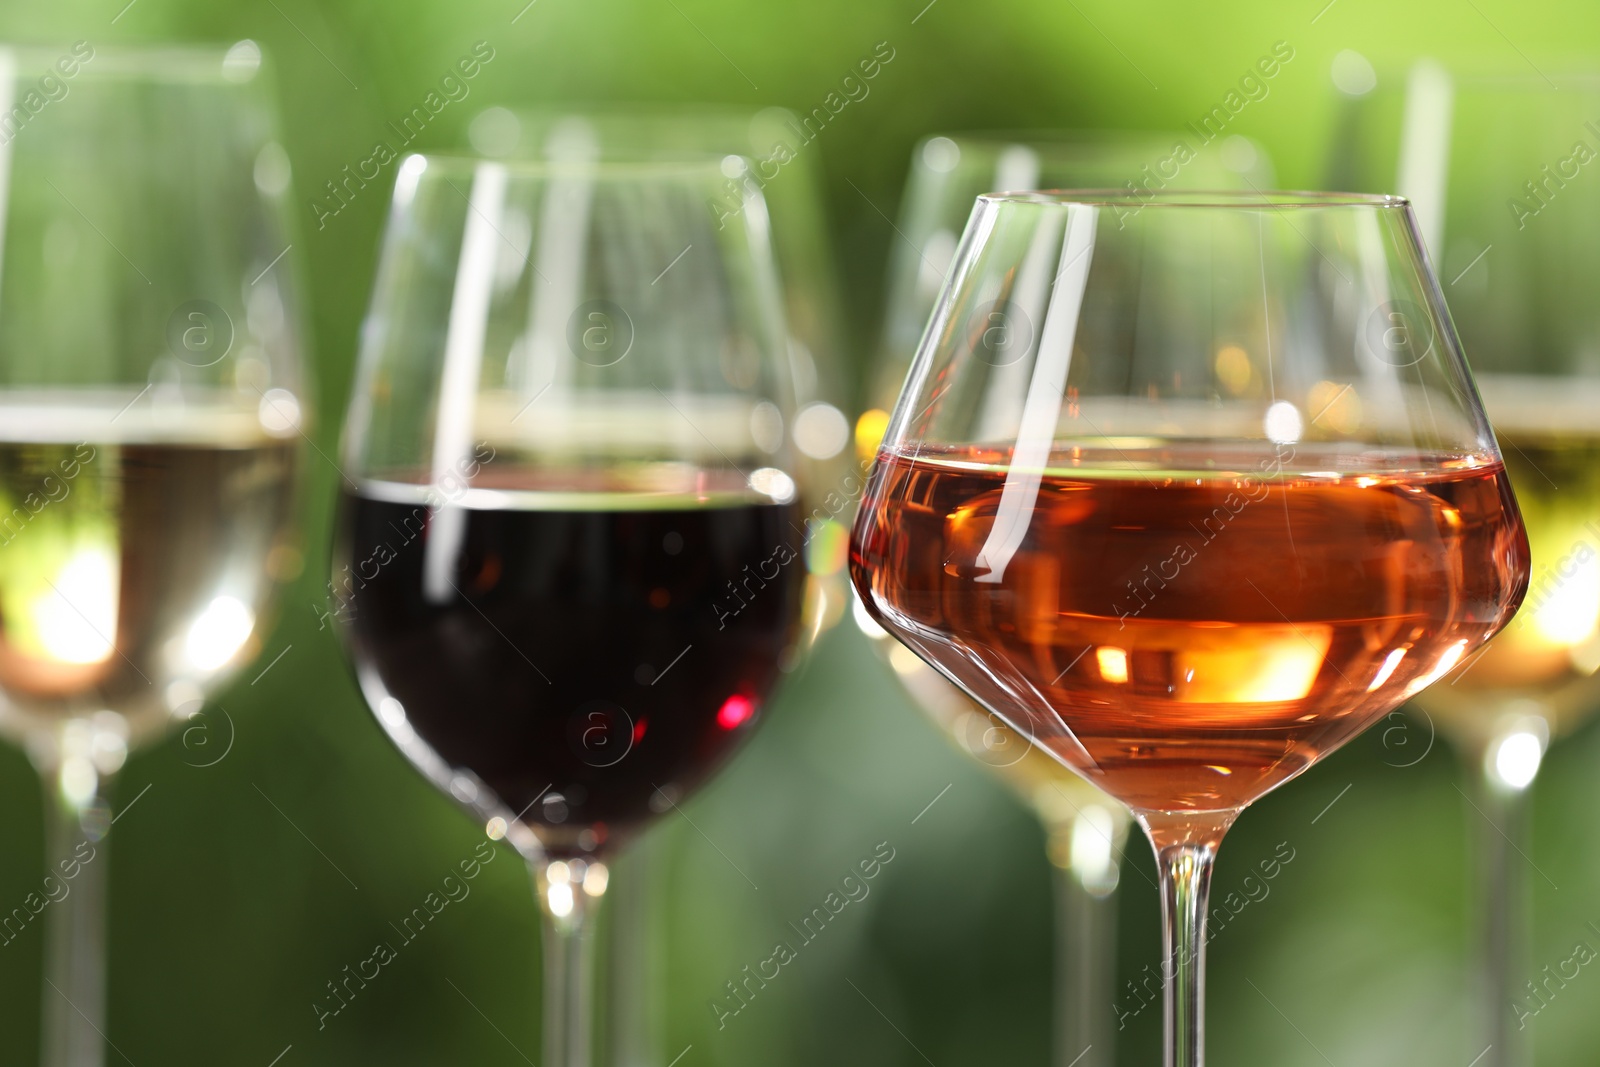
578, 659
138, 553
1190, 628
1550, 653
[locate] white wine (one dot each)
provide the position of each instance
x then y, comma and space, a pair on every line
138, 552
1545, 662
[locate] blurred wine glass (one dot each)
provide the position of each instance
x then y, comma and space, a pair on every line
1085, 832
152, 409
949, 171
1495, 163
570, 569
1085, 829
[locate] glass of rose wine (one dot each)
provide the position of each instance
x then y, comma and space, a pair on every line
1085, 830
1491, 163
152, 402
569, 564
1224, 496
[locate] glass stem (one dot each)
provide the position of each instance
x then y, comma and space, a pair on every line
1086, 968
635, 957
568, 946
1502, 842
1186, 847
74, 993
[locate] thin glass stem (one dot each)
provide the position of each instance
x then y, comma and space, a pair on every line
74, 993
568, 945
635, 954
1186, 847
1086, 967
1501, 822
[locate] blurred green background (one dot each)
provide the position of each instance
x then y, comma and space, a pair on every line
227, 921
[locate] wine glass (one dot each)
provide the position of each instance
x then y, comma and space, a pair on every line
1085, 830
1492, 164
1218, 496
569, 575
948, 170
152, 407
748, 144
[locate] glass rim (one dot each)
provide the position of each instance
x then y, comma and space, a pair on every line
1052, 138
152, 62
669, 132
1478, 76
1272, 199
466, 163
639, 111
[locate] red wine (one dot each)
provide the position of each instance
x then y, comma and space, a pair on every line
587, 658
1185, 636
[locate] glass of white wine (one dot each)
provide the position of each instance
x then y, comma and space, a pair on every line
151, 417
1491, 160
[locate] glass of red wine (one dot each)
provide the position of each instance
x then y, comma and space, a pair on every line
1190, 488
568, 567
635, 947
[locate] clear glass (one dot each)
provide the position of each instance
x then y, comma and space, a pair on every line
1112, 384
1493, 164
152, 414
1085, 830
949, 170
566, 565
